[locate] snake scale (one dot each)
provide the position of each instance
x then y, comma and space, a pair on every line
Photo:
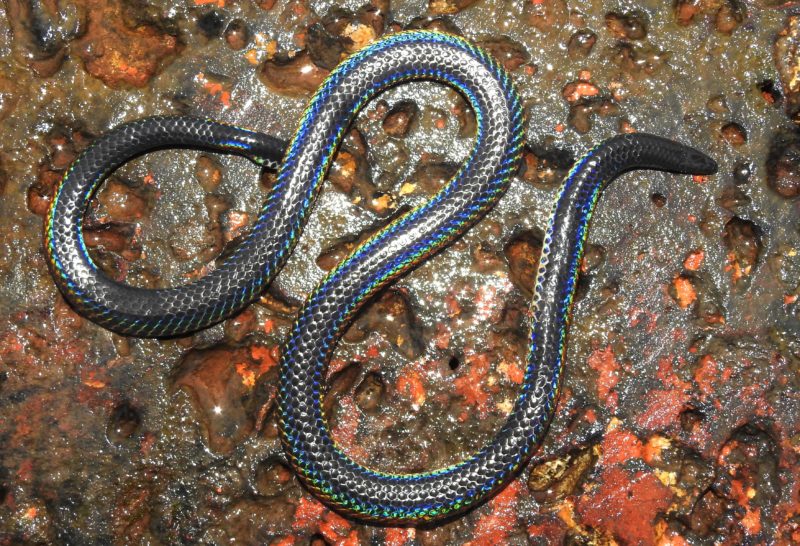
477, 186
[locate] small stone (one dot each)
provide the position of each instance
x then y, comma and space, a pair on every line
729, 17
522, 254
325, 50
743, 240
391, 316
685, 11
237, 34
121, 202
508, 53
123, 423
547, 15
783, 164
581, 43
239, 326
266, 5
552, 480
121, 55
429, 178
579, 117
113, 237
544, 167
733, 199
630, 26
733, 134
658, 199
743, 171
786, 53
369, 393
401, 118
218, 380
448, 7
208, 172
210, 24
717, 104
292, 76
439, 24
272, 478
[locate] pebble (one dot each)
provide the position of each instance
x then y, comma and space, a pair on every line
733, 133
743, 238
369, 393
210, 24
448, 7
581, 43
401, 118
121, 202
508, 53
786, 53
208, 172
237, 35
123, 423
729, 17
292, 75
783, 164
218, 391
522, 254
118, 54
630, 26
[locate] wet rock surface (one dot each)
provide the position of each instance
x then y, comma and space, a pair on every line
678, 420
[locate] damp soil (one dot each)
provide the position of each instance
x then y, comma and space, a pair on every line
679, 416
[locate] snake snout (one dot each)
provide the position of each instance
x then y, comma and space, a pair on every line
699, 163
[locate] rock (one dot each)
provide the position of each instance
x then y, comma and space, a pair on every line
551, 481
448, 7
121, 51
547, 15
208, 172
743, 240
123, 423
742, 172
733, 199
295, 75
733, 133
508, 53
729, 16
238, 327
440, 24
9, 97
237, 35
210, 24
786, 53
522, 254
717, 104
581, 43
401, 118
219, 381
428, 178
783, 164
392, 317
630, 26
369, 393
113, 237
272, 478
121, 202
544, 167
326, 51
40, 34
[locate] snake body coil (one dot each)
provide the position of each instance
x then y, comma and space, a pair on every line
473, 190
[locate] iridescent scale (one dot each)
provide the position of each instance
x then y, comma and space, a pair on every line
477, 186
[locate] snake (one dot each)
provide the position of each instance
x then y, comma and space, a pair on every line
322, 465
